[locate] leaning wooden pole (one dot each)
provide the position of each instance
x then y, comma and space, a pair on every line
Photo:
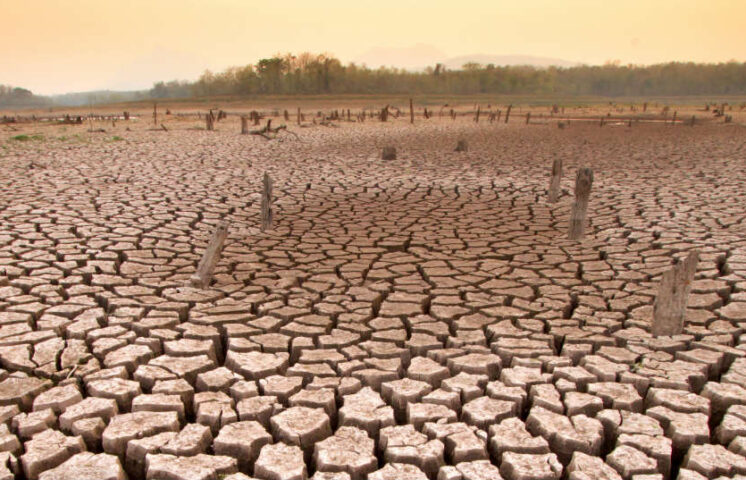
202, 277
554, 184
583, 183
507, 113
266, 202
669, 309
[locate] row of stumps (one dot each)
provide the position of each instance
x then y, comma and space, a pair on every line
203, 276
669, 309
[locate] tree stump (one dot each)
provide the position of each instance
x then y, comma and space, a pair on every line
462, 146
201, 278
244, 125
554, 184
583, 183
266, 202
389, 153
669, 308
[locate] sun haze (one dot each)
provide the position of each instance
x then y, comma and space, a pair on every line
55, 46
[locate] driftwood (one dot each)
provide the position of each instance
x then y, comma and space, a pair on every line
201, 278
270, 133
554, 184
267, 215
583, 183
669, 309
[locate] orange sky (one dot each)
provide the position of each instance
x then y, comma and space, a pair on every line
54, 46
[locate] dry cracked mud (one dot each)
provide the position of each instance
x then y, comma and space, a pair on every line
418, 318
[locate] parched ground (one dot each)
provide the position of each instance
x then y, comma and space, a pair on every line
424, 317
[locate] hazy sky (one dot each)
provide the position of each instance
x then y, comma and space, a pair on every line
54, 46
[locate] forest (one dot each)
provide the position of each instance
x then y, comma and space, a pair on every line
323, 74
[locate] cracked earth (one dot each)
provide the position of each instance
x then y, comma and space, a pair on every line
419, 318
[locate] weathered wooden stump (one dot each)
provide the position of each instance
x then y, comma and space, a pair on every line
389, 153
554, 184
462, 146
266, 202
669, 308
244, 125
583, 183
201, 278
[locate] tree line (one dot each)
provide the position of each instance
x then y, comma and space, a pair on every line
323, 74
17, 96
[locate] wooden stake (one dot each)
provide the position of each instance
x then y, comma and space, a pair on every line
266, 202
583, 183
244, 125
411, 112
507, 113
155, 114
669, 309
528, 118
209, 122
202, 277
554, 184
476, 118
298, 117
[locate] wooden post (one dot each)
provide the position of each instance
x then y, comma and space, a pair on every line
476, 118
298, 116
583, 183
209, 122
554, 184
669, 309
528, 118
201, 278
155, 114
266, 202
507, 113
126, 116
499, 114
411, 112
244, 125
691, 122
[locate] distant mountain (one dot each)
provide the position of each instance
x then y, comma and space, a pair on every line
420, 56
502, 60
